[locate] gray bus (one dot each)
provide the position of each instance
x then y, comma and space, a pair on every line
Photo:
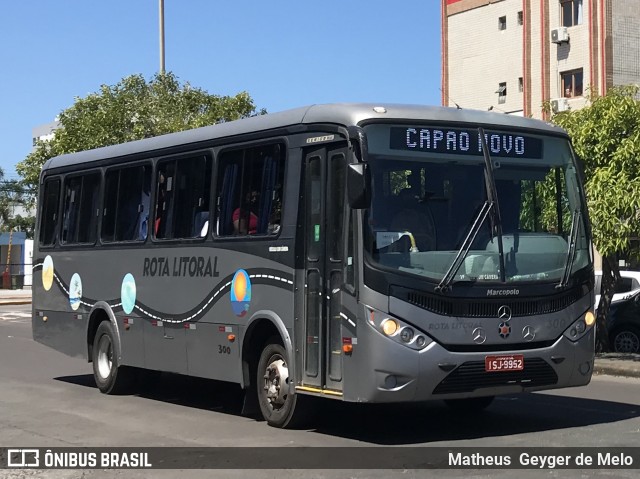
356, 252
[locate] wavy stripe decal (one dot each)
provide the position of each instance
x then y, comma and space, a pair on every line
264, 276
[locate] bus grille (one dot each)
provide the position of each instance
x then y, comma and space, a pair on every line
471, 376
488, 308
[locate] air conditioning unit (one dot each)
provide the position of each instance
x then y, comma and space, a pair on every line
560, 35
559, 104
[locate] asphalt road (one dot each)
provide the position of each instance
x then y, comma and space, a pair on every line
50, 400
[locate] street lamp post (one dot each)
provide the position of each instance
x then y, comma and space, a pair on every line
161, 20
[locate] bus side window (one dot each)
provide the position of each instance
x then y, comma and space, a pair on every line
164, 200
249, 191
182, 198
125, 216
79, 224
49, 219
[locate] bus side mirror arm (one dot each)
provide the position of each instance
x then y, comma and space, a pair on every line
358, 175
358, 142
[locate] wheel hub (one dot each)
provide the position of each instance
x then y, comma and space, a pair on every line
276, 383
105, 357
627, 342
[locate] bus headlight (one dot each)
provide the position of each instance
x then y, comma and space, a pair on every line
406, 335
580, 327
389, 326
590, 319
397, 330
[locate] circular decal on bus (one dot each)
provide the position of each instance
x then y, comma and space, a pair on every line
75, 291
240, 293
128, 293
47, 273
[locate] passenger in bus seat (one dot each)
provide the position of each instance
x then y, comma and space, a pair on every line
142, 226
274, 220
247, 211
201, 224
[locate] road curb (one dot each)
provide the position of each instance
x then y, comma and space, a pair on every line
616, 370
13, 302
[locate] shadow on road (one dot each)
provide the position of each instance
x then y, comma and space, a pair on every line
432, 422
389, 424
177, 389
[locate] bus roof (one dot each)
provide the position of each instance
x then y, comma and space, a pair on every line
346, 114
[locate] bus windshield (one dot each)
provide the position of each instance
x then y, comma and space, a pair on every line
430, 205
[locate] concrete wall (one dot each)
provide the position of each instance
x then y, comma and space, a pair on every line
481, 56
569, 56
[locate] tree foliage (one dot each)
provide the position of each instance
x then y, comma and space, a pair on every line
130, 110
12, 195
606, 135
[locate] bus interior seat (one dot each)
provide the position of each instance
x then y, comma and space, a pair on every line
200, 220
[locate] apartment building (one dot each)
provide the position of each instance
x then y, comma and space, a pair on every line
44, 132
512, 56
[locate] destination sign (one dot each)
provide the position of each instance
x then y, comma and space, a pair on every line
455, 141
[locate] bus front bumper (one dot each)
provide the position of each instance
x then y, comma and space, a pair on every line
399, 374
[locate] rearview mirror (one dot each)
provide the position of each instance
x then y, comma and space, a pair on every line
358, 190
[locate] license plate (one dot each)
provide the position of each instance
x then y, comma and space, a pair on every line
513, 362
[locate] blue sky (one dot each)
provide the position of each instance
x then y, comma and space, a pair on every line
285, 53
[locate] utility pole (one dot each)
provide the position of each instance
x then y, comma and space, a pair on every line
161, 20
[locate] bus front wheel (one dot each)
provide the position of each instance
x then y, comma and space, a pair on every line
110, 377
279, 405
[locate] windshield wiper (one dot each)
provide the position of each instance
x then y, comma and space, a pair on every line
571, 253
466, 246
491, 208
492, 194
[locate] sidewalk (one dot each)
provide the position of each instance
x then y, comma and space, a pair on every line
618, 364
612, 364
15, 296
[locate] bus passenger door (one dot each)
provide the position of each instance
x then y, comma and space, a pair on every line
324, 206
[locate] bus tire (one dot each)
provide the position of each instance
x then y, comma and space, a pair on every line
110, 377
470, 404
278, 406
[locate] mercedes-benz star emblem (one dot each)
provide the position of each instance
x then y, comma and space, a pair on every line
528, 333
504, 313
479, 335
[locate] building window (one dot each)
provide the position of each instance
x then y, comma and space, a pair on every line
502, 23
572, 83
520, 18
571, 12
520, 84
502, 92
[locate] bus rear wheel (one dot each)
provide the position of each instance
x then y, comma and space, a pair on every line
110, 377
279, 405
470, 404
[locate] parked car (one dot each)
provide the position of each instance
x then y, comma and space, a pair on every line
629, 284
623, 324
